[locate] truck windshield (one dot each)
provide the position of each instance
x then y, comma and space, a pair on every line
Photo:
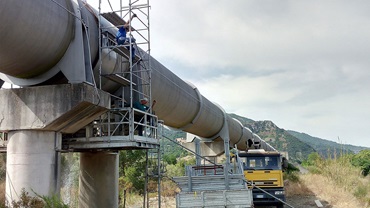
261, 163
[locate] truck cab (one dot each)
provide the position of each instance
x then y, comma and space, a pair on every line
264, 170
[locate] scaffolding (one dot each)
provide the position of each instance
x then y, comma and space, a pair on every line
124, 71
133, 74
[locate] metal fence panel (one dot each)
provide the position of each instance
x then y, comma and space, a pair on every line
224, 198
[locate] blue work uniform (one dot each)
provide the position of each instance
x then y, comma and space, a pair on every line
122, 39
121, 36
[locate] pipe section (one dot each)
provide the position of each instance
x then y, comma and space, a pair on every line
49, 31
34, 35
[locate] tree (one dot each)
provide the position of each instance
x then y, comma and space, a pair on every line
132, 172
170, 159
312, 159
362, 160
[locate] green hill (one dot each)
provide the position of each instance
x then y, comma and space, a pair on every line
297, 145
325, 147
278, 138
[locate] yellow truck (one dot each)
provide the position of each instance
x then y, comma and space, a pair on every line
264, 169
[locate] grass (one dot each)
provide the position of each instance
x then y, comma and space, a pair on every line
168, 193
340, 175
327, 189
296, 188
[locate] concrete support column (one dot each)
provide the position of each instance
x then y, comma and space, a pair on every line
98, 180
32, 163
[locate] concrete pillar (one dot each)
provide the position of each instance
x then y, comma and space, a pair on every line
32, 163
98, 180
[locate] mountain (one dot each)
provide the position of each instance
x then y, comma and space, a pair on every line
325, 147
278, 138
297, 145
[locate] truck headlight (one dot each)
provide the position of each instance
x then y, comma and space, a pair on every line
279, 192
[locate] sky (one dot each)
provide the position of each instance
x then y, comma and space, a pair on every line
304, 65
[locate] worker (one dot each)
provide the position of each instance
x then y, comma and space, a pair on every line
122, 33
142, 105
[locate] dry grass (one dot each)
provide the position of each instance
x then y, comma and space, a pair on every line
169, 188
168, 202
296, 189
2, 194
168, 193
346, 178
326, 189
134, 200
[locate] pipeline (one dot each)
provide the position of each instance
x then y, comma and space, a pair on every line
40, 34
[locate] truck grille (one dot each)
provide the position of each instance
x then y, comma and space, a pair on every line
262, 183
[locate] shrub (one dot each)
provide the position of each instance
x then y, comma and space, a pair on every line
360, 191
362, 160
291, 173
293, 176
313, 159
37, 201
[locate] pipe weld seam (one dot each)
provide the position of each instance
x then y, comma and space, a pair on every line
198, 113
241, 136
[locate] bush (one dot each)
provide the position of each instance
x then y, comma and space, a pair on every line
360, 191
38, 201
314, 170
169, 188
174, 170
292, 176
362, 160
313, 159
170, 159
291, 173
291, 168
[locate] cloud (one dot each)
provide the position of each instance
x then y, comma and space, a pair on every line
302, 64
262, 35
330, 116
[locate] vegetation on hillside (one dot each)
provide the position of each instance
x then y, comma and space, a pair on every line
278, 138
172, 151
325, 147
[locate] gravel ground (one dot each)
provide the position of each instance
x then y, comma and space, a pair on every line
305, 202
302, 202
295, 201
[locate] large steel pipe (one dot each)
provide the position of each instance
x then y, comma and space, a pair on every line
34, 35
180, 105
49, 31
